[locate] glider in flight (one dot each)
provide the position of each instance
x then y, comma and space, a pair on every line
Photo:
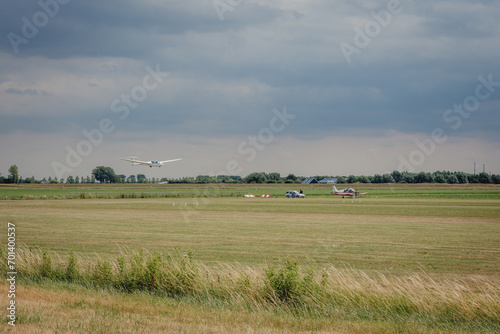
151, 163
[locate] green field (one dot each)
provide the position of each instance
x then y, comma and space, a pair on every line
446, 235
75, 191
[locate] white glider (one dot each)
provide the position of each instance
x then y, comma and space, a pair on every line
151, 163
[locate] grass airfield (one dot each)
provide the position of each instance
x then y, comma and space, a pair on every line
440, 231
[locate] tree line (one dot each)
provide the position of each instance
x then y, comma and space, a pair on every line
103, 174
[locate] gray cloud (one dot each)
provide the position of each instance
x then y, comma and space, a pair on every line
27, 91
227, 76
121, 28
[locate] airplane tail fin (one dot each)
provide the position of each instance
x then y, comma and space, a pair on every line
335, 189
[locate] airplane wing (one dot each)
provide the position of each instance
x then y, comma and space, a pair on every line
137, 161
166, 161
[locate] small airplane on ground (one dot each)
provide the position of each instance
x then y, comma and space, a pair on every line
347, 192
151, 163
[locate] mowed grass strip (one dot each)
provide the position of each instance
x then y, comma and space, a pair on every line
452, 237
329, 205
391, 190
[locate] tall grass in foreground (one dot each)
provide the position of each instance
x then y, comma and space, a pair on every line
284, 288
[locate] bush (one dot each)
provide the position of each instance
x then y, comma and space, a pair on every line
284, 288
46, 265
285, 281
169, 274
72, 268
102, 275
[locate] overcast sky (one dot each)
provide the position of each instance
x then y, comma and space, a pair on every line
233, 87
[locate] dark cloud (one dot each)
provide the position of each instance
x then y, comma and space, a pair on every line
460, 19
117, 28
27, 91
229, 74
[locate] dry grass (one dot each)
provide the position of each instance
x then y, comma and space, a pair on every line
227, 296
63, 309
384, 265
255, 231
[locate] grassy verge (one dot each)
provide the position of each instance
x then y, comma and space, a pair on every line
376, 264
285, 289
117, 191
446, 237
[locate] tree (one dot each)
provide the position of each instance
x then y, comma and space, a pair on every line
484, 178
377, 178
105, 174
276, 177
30, 180
340, 179
424, 177
408, 177
452, 179
13, 174
472, 178
387, 178
363, 179
462, 177
203, 179
440, 178
352, 179
256, 178
224, 179
396, 175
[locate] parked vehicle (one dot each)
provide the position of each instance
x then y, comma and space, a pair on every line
294, 194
